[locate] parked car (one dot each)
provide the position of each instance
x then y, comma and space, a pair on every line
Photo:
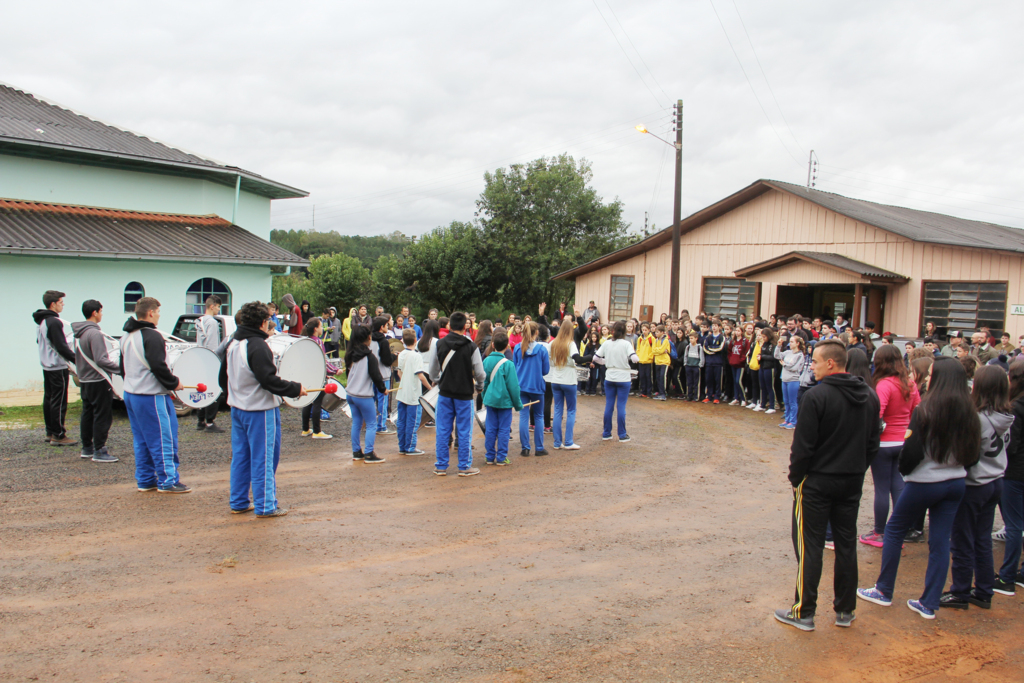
185, 327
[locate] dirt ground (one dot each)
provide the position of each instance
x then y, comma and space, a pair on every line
658, 560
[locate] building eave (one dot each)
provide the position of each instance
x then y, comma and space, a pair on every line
128, 256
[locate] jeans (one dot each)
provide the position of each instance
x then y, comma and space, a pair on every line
661, 380
971, 540
364, 412
766, 376
755, 386
459, 412
381, 408
563, 394
498, 428
594, 383
155, 439
96, 414
1013, 516
789, 392
537, 412
941, 500
616, 394
408, 422
738, 393
885, 473
255, 453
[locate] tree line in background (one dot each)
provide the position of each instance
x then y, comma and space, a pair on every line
532, 221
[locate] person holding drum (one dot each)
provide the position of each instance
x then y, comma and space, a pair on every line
456, 368
148, 383
312, 412
249, 375
92, 360
364, 380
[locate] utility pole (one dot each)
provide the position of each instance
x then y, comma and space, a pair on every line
673, 305
314, 216
812, 170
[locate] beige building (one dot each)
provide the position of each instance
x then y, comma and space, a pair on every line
779, 248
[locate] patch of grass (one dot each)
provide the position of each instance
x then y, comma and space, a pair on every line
31, 417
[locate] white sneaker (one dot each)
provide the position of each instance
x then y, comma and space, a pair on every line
758, 409
321, 435
999, 535
770, 411
751, 405
734, 402
571, 447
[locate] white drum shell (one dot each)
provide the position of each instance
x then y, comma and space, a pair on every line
194, 365
428, 401
481, 420
299, 359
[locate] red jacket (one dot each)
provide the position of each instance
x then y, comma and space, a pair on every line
738, 352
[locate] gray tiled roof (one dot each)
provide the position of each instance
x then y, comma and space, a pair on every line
29, 125
39, 229
850, 264
920, 226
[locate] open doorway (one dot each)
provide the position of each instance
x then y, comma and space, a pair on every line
830, 300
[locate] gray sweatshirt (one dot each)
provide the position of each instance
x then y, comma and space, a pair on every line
90, 343
792, 364
208, 332
995, 437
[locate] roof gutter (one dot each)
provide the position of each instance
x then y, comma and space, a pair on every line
260, 180
183, 258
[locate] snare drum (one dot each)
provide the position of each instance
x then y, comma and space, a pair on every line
582, 373
337, 400
193, 365
299, 359
481, 420
428, 401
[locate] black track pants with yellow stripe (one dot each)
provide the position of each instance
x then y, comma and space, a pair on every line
818, 500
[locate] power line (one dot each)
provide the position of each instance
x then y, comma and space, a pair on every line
640, 56
910, 185
752, 90
619, 43
766, 81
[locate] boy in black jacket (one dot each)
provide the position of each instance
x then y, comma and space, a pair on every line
54, 355
835, 440
458, 369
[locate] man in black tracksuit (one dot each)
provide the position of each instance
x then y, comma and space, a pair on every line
835, 440
54, 355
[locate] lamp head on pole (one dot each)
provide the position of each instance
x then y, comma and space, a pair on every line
642, 128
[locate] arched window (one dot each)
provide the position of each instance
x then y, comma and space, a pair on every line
195, 295
133, 291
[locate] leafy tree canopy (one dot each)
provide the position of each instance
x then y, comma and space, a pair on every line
543, 218
309, 243
451, 266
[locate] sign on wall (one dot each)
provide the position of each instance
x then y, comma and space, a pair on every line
1017, 309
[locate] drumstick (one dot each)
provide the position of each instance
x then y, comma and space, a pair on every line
329, 389
198, 387
531, 403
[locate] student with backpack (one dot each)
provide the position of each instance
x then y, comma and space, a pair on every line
501, 396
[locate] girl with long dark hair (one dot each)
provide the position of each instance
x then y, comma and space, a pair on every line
1011, 573
897, 397
971, 539
363, 373
943, 440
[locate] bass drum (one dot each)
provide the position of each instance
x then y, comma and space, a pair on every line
299, 359
194, 365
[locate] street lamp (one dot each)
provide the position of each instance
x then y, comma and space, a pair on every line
673, 299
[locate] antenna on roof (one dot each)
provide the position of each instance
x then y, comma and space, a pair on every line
812, 170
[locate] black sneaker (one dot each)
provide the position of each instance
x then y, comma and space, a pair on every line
201, 427
541, 452
372, 458
430, 424
212, 427
244, 510
625, 439
177, 488
845, 619
914, 536
103, 456
948, 600
150, 487
1019, 579
358, 455
786, 616
979, 600
1004, 587
525, 452
87, 452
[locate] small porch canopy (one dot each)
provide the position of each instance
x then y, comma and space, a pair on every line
817, 267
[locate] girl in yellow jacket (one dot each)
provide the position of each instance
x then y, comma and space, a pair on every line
662, 353
645, 353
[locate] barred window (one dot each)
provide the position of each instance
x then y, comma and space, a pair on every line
195, 295
133, 291
729, 297
621, 306
964, 306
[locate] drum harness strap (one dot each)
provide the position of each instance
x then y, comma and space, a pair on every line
494, 371
132, 341
103, 373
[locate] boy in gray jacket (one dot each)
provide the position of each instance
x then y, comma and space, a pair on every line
208, 336
94, 370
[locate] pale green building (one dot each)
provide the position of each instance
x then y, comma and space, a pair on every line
102, 213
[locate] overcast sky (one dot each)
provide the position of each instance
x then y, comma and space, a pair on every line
388, 114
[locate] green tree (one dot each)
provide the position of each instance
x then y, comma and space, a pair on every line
389, 284
337, 280
450, 267
544, 218
295, 284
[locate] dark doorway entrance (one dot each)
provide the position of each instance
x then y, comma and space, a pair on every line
827, 301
